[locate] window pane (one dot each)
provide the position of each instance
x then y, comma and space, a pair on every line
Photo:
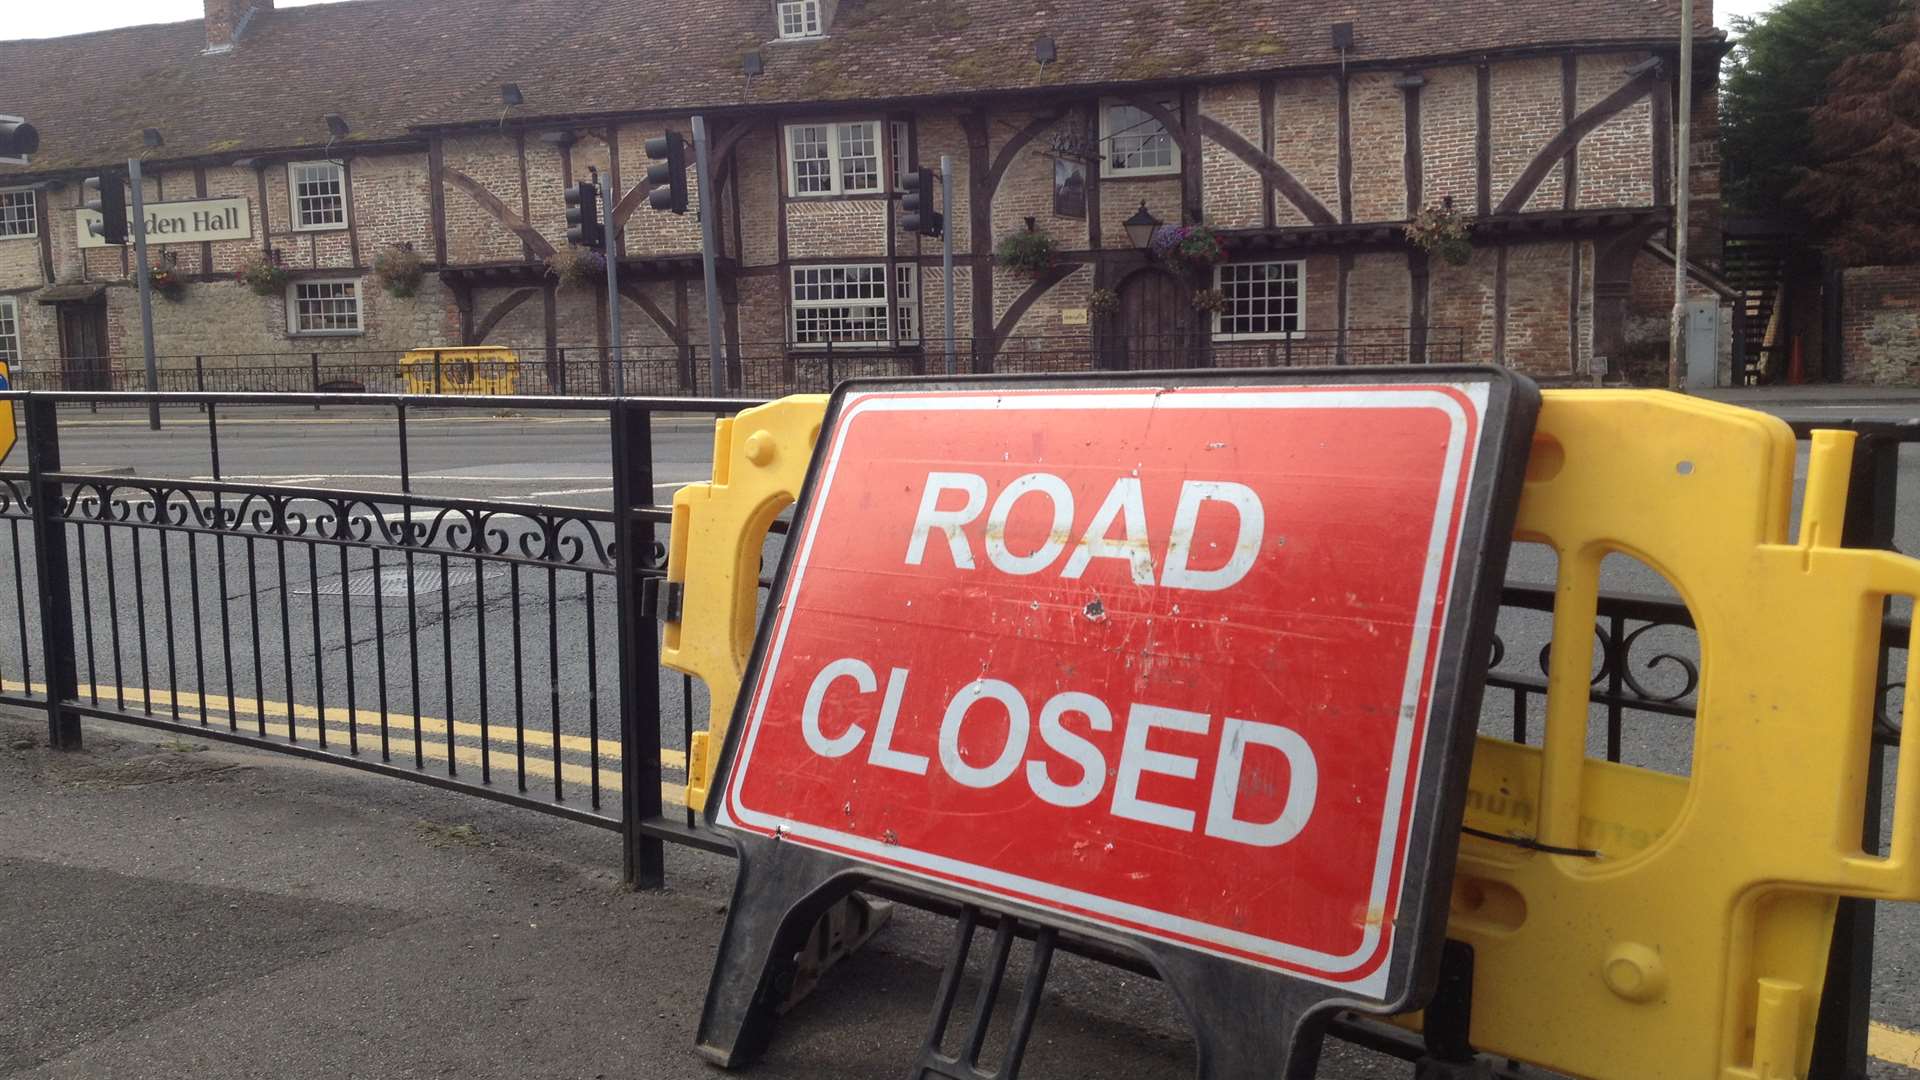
16, 214
906, 308
859, 157
324, 306
318, 199
898, 148
799, 18
9, 330
1136, 141
840, 303
812, 168
1261, 298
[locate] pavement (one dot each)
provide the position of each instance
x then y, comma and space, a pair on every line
174, 908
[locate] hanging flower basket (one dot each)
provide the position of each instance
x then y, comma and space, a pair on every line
1030, 252
167, 283
264, 272
1102, 301
399, 269
1193, 250
1441, 230
577, 266
1210, 300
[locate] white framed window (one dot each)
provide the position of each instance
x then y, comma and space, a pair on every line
906, 303
899, 140
318, 190
1263, 300
9, 330
842, 305
833, 159
1133, 143
324, 307
799, 18
19, 213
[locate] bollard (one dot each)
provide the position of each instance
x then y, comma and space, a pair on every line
51, 572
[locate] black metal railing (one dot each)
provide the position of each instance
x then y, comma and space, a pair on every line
506, 648
758, 369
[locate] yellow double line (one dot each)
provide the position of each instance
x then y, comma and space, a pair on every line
340, 724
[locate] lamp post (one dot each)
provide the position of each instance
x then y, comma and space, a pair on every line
1140, 227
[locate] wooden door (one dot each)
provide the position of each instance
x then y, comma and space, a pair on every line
1157, 324
83, 344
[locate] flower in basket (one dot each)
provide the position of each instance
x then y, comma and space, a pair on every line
165, 281
1441, 230
264, 272
1194, 249
575, 265
1212, 300
1101, 301
399, 269
1029, 252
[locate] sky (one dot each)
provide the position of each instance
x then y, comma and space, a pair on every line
35, 20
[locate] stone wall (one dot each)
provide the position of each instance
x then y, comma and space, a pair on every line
1880, 325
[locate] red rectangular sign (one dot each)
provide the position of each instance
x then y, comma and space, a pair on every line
1160, 659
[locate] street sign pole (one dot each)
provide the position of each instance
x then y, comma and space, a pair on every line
946, 239
146, 288
709, 237
613, 285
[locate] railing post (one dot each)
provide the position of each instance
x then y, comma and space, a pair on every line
1840, 1030
562, 369
639, 667
313, 365
200, 378
436, 372
829, 363
51, 572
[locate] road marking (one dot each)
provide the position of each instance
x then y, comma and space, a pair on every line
368, 721
1893, 1045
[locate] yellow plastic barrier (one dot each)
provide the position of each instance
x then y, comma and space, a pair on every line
470, 369
1692, 944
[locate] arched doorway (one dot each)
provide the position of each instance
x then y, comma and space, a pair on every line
1156, 326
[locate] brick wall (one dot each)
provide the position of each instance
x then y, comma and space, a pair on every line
1379, 292
1026, 188
1377, 130
1449, 137
1235, 194
1461, 298
1616, 159
832, 228
1539, 330
1526, 114
1880, 325
1306, 134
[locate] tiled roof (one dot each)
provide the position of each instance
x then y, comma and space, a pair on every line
392, 66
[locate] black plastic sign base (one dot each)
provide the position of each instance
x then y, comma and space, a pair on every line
1183, 665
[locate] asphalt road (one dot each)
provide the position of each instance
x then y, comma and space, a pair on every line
492, 662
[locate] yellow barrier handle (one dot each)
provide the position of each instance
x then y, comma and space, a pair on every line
719, 528
1897, 876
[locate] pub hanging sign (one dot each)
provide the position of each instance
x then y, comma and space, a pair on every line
190, 221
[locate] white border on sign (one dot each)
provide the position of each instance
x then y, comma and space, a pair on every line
1320, 967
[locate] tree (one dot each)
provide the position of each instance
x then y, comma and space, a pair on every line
1774, 78
1867, 145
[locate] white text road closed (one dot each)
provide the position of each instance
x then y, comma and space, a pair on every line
1160, 659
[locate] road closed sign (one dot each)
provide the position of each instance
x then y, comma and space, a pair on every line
1182, 663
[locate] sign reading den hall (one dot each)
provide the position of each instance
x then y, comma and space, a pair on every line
189, 221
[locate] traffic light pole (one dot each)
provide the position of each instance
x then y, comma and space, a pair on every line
139, 225
709, 238
607, 199
946, 239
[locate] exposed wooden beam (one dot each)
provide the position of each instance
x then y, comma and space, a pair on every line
491, 203
499, 311
1270, 170
1569, 136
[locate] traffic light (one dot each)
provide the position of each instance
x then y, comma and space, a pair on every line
917, 214
668, 173
106, 195
18, 140
584, 226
